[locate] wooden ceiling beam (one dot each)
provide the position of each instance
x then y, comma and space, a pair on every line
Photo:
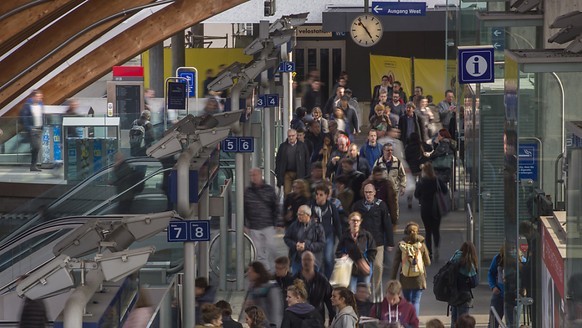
9, 6
54, 36
135, 40
18, 27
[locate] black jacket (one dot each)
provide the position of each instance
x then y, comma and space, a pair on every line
377, 221
418, 128
261, 207
319, 293
311, 234
302, 158
329, 218
364, 247
297, 313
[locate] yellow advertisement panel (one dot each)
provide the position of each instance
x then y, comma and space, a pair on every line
397, 69
430, 74
201, 58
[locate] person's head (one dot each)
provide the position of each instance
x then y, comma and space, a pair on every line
385, 80
410, 107
393, 290
347, 165
321, 194
411, 230
304, 213
332, 126
258, 274
315, 128
308, 261
256, 176
316, 85
353, 152
149, 93
372, 137
292, 136
342, 81
387, 150
465, 321
255, 316
469, 256
72, 105
345, 99
341, 182
342, 297
36, 96
211, 314
363, 292
369, 192
301, 134
343, 143
146, 115
395, 97
301, 187
225, 307
355, 220
210, 72
327, 139
427, 170
339, 91
434, 323
281, 266
423, 102
317, 113
379, 110
301, 112
383, 97
396, 86
338, 113
418, 90
201, 285
317, 171
449, 96
444, 133
379, 173
296, 293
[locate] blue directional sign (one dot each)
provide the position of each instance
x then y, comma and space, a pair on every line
528, 161
261, 101
191, 77
272, 100
476, 64
287, 67
177, 231
246, 144
498, 38
199, 230
230, 145
399, 8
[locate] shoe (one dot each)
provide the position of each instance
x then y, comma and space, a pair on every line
35, 169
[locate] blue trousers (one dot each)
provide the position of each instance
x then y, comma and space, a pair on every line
413, 296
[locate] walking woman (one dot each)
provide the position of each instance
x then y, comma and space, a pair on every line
467, 279
264, 292
443, 154
299, 310
412, 284
426, 189
345, 302
415, 156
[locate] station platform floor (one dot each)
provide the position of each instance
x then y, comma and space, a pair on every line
453, 234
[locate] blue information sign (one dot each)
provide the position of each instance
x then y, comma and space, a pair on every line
230, 145
246, 144
528, 161
498, 38
261, 101
476, 64
287, 67
195, 230
191, 77
399, 8
272, 100
177, 231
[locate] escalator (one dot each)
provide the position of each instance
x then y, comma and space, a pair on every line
95, 195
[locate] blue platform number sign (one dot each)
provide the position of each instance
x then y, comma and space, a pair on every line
178, 231
190, 76
246, 145
476, 64
199, 230
261, 100
272, 100
230, 145
287, 67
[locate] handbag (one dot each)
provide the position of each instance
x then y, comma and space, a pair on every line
443, 162
440, 202
363, 266
342, 272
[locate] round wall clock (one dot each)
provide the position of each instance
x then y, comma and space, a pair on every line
366, 30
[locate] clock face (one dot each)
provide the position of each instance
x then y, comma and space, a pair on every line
366, 30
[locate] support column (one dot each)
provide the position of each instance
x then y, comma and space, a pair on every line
267, 131
178, 51
156, 62
204, 247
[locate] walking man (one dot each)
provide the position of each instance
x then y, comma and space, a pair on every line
31, 117
292, 161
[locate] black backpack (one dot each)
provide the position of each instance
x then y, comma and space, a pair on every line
445, 283
136, 136
312, 320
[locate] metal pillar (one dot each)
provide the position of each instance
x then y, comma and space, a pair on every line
224, 233
178, 50
156, 61
204, 246
75, 305
287, 107
240, 186
267, 147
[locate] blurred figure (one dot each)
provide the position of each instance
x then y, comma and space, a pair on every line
255, 317
207, 119
363, 302
264, 292
300, 195
466, 321
434, 323
148, 94
142, 312
33, 313
211, 316
125, 178
283, 276
73, 131
141, 134
32, 119
227, 321
205, 295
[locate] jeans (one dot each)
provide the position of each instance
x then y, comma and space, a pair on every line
355, 280
264, 245
329, 256
502, 310
457, 311
377, 267
35, 145
413, 296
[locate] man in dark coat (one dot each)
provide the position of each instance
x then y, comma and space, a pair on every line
317, 286
292, 161
410, 123
304, 234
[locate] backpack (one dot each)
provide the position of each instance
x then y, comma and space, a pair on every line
412, 263
137, 134
312, 320
445, 284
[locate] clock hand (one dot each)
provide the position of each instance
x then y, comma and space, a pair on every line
366, 29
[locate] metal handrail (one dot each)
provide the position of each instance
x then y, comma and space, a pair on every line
497, 318
470, 223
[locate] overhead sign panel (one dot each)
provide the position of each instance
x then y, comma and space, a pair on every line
399, 8
476, 64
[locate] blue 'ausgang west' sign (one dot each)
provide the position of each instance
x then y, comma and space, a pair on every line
399, 8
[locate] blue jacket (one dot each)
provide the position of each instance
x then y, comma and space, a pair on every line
494, 275
371, 153
25, 115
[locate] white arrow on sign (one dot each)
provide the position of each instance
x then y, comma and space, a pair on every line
496, 45
497, 32
377, 9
